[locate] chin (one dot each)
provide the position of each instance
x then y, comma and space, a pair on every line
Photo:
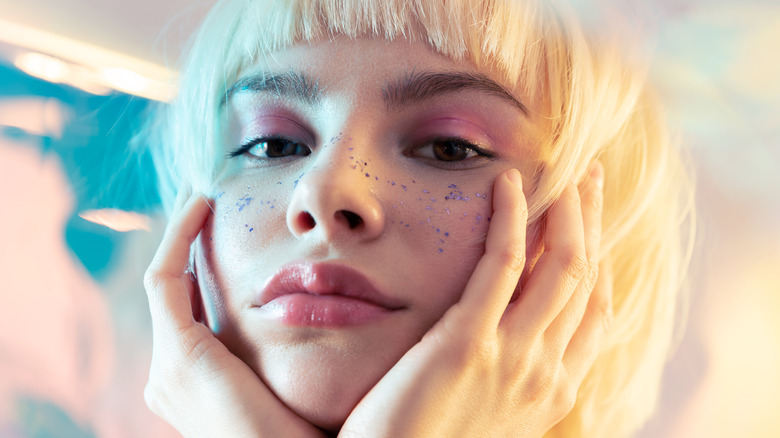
324, 378
324, 397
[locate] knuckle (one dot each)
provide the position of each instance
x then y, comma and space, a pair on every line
152, 279
592, 275
155, 279
596, 200
511, 258
540, 386
473, 350
575, 264
566, 399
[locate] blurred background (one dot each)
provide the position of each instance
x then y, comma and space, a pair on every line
79, 220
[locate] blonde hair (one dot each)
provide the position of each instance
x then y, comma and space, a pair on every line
599, 108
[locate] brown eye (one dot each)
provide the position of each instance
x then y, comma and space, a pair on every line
447, 150
451, 151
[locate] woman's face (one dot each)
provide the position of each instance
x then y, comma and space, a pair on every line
354, 208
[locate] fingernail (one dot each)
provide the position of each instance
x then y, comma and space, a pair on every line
515, 177
597, 174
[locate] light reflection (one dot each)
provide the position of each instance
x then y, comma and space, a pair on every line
117, 220
89, 67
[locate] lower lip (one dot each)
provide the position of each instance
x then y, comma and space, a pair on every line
309, 310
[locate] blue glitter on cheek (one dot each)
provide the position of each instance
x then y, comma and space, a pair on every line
456, 196
297, 180
243, 202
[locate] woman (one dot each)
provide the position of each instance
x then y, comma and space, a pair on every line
412, 219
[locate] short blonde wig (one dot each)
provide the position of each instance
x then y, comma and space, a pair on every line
599, 108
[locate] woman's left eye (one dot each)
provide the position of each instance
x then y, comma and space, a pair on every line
449, 150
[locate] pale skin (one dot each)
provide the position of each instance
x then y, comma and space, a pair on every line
486, 364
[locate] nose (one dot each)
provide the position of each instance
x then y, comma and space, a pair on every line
334, 201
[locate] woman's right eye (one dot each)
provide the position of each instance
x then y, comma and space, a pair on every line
271, 147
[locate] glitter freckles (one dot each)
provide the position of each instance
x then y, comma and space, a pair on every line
432, 215
436, 205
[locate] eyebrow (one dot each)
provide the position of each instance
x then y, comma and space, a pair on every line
412, 88
289, 84
417, 87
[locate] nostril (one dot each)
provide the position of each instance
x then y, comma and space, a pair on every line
306, 221
353, 220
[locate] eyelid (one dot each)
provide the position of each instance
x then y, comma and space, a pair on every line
455, 128
273, 122
474, 146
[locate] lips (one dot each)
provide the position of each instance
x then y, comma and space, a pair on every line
323, 294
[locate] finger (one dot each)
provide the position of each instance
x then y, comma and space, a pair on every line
496, 275
592, 200
558, 270
562, 328
585, 344
183, 195
168, 287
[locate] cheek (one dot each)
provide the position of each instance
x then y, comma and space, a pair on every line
253, 214
246, 220
441, 217
442, 227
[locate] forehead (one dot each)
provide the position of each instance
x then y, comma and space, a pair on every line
354, 66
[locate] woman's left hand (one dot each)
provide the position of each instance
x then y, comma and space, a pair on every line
491, 367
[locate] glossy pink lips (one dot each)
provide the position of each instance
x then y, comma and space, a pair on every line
323, 295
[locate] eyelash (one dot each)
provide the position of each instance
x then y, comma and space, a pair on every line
470, 147
246, 147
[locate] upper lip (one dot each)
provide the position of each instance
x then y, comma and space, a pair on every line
325, 279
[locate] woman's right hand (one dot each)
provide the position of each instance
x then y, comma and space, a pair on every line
195, 383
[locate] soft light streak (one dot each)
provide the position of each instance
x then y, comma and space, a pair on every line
89, 67
58, 71
117, 220
126, 80
42, 66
